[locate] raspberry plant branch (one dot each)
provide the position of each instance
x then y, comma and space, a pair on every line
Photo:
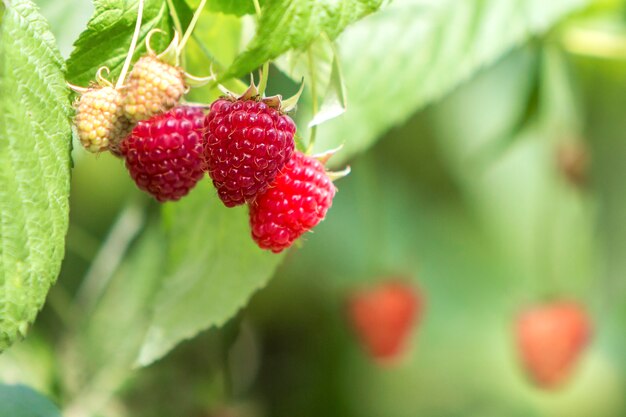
177, 24
264, 76
266, 65
314, 102
257, 7
191, 27
133, 45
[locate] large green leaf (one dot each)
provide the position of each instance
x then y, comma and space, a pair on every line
21, 401
214, 269
35, 140
107, 38
110, 336
415, 51
295, 24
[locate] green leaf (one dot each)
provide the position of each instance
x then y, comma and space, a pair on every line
232, 7
35, 140
109, 338
314, 64
67, 20
214, 269
540, 222
295, 24
415, 51
236, 7
21, 401
335, 100
107, 38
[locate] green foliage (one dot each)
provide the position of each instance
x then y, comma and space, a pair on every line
110, 336
295, 24
107, 38
69, 21
35, 140
236, 7
20, 401
213, 269
413, 52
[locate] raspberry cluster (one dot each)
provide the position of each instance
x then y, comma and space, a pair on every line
245, 144
248, 142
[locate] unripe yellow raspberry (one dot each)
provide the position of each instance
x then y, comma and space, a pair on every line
153, 87
100, 119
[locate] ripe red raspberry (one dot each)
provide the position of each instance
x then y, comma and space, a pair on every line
248, 143
154, 87
164, 154
383, 316
297, 201
550, 339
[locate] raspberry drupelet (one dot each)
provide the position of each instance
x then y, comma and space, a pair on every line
164, 154
296, 202
248, 143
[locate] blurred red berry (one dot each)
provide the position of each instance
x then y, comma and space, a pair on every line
248, 143
550, 339
295, 203
383, 317
164, 154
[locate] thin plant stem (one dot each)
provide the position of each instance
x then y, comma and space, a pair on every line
264, 75
133, 45
257, 7
266, 65
314, 102
177, 25
191, 26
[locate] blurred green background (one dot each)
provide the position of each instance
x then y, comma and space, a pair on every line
470, 197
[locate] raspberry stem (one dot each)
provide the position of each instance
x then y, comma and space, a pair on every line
266, 65
177, 25
257, 8
264, 75
191, 26
314, 102
131, 50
